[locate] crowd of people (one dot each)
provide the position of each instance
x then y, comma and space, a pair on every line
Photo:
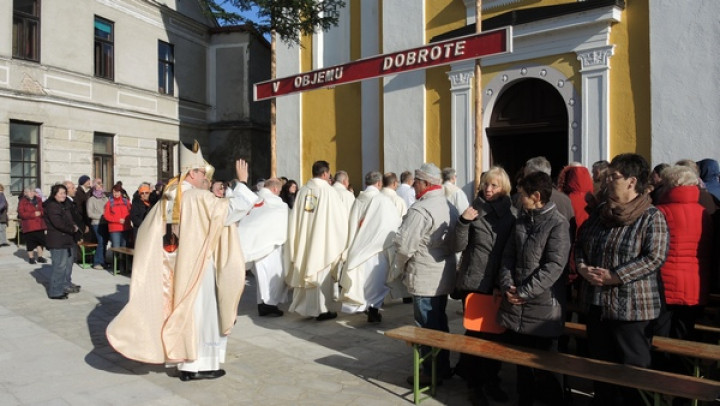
632, 248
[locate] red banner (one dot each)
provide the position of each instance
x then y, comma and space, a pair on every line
440, 53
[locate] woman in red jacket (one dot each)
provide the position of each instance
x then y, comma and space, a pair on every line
687, 268
117, 214
30, 212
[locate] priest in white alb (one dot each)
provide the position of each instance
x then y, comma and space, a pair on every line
263, 234
374, 219
317, 234
188, 274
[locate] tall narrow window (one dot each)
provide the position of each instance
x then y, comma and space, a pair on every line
24, 156
103, 161
166, 68
166, 159
26, 30
104, 48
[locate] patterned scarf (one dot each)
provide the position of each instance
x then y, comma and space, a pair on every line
616, 214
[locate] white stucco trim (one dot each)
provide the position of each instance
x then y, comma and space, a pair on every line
596, 103
462, 128
501, 82
553, 36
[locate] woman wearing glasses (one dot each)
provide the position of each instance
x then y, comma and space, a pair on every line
140, 207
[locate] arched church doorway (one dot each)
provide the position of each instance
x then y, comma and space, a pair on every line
529, 119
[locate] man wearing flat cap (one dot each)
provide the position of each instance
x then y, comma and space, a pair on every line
425, 258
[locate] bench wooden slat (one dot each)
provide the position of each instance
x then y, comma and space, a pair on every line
692, 349
624, 375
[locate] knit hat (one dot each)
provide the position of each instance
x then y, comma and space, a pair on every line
429, 173
83, 179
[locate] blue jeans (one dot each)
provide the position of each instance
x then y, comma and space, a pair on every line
429, 312
62, 263
100, 235
118, 238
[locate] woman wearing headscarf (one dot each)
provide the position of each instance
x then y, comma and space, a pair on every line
61, 229
710, 174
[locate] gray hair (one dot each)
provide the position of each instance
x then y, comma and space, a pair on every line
405, 176
341, 176
447, 174
679, 175
690, 164
373, 177
538, 164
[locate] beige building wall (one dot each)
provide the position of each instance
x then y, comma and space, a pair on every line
62, 95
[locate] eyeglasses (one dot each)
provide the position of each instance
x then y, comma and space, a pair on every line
144, 193
612, 177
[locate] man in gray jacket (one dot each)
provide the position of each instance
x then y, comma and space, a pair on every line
426, 260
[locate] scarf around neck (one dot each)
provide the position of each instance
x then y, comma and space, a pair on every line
615, 214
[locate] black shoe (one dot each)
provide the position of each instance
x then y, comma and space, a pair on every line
494, 392
191, 376
425, 380
374, 315
61, 297
326, 316
72, 289
4, 244
407, 300
42, 260
74, 286
266, 310
31, 261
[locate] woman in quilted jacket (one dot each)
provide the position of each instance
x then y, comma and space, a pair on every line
117, 214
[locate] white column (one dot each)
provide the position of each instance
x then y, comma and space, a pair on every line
289, 117
370, 90
404, 93
462, 129
595, 103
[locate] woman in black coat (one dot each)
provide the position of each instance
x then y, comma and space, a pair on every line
60, 240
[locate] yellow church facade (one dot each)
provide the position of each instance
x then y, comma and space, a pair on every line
577, 86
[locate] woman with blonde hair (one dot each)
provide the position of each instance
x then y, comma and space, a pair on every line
480, 234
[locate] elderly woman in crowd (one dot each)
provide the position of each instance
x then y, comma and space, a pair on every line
30, 212
481, 233
685, 274
3, 217
619, 251
117, 214
531, 281
61, 229
141, 205
95, 209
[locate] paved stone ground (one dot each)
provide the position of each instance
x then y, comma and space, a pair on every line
56, 353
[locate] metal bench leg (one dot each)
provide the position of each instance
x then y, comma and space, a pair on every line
115, 263
417, 361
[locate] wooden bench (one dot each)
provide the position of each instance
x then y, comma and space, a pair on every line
122, 251
656, 382
86, 248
